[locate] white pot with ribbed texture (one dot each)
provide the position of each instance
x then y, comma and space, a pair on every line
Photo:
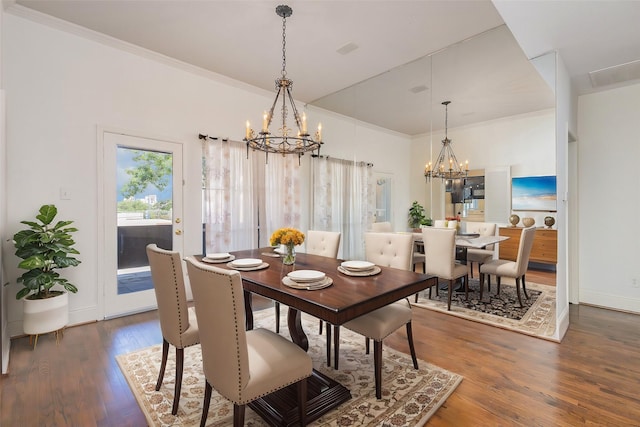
41, 316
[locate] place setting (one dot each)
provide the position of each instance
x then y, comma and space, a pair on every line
359, 268
309, 280
247, 264
218, 257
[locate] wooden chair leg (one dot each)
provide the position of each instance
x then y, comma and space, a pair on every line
320, 328
481, 285
366, 345
336, 346
277, 307
205, 403
238, 415
328, 344
163, 363
302, 400
411, 348
498, 279
450, 292
377, 362
178, 386
518, 291
524, 287
466, 287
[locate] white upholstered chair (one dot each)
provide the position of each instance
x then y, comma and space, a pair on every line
177, 322
440, 223
388, 250
514, 269
440, 258
241, 365
381, 227
452, 224
323, 243
480, 256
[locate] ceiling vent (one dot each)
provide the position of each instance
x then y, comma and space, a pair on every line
616, 74
347, 48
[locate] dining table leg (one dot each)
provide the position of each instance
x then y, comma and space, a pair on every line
294, 322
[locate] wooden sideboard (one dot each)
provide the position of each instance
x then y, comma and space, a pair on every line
545, 245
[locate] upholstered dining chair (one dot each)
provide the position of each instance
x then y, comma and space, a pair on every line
440, 223
388, 250
241, 365
515, 269
440, 259
323, 243
177, 322
480, 256
381, 227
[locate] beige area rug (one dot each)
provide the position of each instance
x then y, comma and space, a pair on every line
538, 319
409, 397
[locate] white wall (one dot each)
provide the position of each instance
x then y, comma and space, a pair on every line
525, 143
609, 198
61, 87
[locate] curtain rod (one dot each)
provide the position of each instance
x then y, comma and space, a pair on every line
322, 156
214, 138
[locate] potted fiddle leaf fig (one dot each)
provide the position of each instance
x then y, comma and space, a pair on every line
417, 216
45, 248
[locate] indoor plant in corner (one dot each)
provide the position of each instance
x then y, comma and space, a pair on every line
45, 247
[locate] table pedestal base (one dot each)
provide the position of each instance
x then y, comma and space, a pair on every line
281, 409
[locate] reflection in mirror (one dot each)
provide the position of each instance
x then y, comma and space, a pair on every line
383, 197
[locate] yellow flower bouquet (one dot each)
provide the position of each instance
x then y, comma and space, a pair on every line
289, 237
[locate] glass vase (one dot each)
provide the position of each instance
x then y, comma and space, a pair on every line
289, 257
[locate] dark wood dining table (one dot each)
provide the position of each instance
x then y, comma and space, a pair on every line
347, 298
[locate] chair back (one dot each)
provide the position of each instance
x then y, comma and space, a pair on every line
324, 243
168, 284
219, 301
483, 229
452, 224
524, 250
381, 227
440, 223
439, 251
389, 249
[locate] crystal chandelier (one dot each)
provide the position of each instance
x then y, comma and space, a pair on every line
447, 166
286, 142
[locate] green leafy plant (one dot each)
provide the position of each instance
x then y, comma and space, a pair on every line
45, 248
417, 216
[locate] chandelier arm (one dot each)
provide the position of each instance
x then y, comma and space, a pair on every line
296, 116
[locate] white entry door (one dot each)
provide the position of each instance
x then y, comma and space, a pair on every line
141, 204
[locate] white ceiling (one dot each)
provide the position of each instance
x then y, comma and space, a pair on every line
486, 77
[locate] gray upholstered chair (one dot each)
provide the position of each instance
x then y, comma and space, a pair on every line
514, 269
381, 227
480, 256
241, 365
387, 250
177, 322
440, 258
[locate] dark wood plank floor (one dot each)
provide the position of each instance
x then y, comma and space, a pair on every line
592, 377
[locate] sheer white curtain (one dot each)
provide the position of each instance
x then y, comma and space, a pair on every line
230, 196
245, 200
343, 200
281, 194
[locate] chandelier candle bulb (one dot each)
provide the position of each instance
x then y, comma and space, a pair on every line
304, 123
319, 131
248, 132
265, 122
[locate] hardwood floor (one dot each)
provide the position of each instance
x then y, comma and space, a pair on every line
592, 377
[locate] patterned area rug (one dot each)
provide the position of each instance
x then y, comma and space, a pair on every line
409, 396
537, 318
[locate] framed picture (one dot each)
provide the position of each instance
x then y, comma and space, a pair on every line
534, 193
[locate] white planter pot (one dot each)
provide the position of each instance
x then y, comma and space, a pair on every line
45, 315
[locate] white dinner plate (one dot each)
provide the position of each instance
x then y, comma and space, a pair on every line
218, 260
362, 273
246, 262
218, 255
306, 276
312, 286
357, 265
